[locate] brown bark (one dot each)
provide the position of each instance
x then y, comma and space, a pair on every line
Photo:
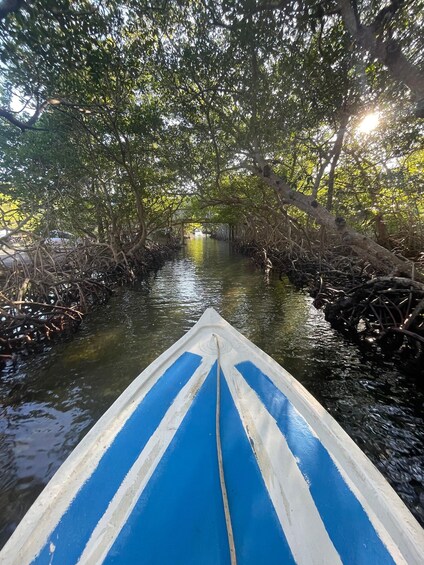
336, 156
381, 259
387, 51
142, 224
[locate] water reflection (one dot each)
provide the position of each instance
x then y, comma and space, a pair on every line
66, 390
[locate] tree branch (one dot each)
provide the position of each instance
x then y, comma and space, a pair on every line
29, 124
388, 52
381, 258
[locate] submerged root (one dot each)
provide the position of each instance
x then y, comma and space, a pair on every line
47, 295
385, 313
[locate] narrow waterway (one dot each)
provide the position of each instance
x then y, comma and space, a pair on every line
66, 390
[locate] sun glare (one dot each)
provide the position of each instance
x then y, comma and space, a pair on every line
369, 123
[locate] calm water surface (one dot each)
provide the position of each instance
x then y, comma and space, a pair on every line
68, 388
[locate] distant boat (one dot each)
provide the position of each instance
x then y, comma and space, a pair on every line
216, 455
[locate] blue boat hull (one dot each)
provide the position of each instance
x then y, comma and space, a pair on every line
215, 455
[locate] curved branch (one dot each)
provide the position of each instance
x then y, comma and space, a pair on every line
29, 124
388, 52
381, 258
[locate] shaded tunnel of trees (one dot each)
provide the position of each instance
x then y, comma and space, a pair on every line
299, 124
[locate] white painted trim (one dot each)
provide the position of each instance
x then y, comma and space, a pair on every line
224, 493
126, 497
298, 515
396, 526
42, 517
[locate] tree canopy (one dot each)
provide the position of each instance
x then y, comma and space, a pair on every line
277, 114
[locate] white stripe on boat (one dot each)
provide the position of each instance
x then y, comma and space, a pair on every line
298, 515
384, 508
48, 509
396, 526
122, 504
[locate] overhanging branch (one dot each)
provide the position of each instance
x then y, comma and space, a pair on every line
27, 125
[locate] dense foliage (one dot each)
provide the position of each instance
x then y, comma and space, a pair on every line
117, 114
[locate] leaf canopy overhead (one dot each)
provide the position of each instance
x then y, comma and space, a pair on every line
182, 97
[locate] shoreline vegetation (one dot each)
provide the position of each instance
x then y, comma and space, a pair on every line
46, 297
384, 314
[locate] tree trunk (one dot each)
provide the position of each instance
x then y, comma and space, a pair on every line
387, 52
338, 145
141, 240
383, 260
381, 230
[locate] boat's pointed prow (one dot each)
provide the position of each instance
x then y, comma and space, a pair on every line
216, 438
210, 317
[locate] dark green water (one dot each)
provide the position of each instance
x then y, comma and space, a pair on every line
68, 388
